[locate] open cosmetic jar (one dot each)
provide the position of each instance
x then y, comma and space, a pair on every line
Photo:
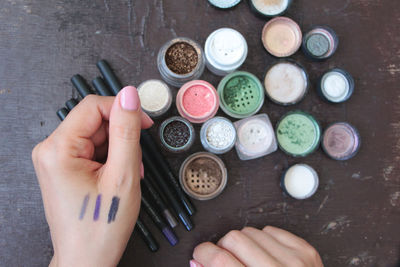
176, 134
180, 60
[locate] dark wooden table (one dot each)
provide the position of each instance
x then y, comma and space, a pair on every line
354, 218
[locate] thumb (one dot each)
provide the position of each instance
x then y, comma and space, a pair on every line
124, 154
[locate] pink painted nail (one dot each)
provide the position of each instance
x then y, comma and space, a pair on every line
130, 98
141, 170
194, 263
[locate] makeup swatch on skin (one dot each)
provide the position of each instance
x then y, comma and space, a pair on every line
84, 206
113, 209
96, 213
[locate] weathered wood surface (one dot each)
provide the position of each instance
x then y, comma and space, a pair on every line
354, 218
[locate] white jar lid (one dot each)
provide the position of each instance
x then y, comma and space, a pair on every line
301, 181
335, 86
226, 49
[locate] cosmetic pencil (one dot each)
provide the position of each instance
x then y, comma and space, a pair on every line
81, 85
101, 87
109, 76
115, 85
149, 145
70, 104
146, 235
159, 221
62, 113
151, 167
147, 185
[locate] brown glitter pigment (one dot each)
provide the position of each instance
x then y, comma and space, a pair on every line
181, 58
203, 176
176, 134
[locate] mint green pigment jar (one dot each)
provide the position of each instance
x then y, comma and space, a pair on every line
298, 134
241, 94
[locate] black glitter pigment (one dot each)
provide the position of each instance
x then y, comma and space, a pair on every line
176, 134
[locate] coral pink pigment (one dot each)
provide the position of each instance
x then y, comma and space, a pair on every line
197, 101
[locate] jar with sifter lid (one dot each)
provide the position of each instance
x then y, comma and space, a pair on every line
225, 51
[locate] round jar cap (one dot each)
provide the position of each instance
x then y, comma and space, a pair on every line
298, 133
286, 83
300, 181
341, 141
197, 101
218, 135
155, 97
281, 37
270, 8
225, 49
336, 86
177, 134
320, 42
241, 94
203, 176
224, 4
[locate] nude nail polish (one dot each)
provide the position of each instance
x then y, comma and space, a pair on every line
194, 263
129, 98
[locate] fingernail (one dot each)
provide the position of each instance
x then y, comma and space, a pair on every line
130, 98
152, 122
194, 263
141, 170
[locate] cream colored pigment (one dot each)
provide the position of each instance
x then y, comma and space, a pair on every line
285, 83
270, 7
154, 96
281, 37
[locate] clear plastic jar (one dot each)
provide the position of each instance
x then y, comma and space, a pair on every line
180, 60
218, 135
155, 97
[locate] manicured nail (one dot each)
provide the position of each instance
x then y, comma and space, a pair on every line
130, 98
194, 263
148, 117
141, 170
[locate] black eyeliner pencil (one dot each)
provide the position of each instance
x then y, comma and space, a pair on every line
109, 76
62, 113
81, 85
151, 167
115, 85
70, 104
101, 87
143, 230
148, 144
159, 221
146, 184
147, 236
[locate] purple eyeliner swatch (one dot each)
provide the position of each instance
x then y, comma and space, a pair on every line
113, 209
96, 213
84, 205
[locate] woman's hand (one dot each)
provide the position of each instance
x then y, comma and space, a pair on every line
92, 207
269, 247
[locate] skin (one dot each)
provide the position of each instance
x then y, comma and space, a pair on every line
96, 150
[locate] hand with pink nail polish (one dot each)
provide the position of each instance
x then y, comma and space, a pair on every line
271, 246
89, 170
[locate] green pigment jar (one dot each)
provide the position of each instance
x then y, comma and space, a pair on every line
298, 134
241, 94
